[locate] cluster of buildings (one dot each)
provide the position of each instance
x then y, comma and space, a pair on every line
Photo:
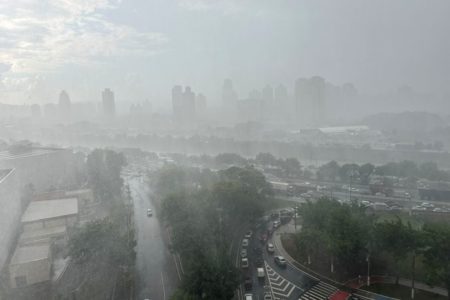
308, 107
40, 253
187, 105
65, 110
36, 213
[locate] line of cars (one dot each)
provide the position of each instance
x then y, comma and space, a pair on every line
249, 247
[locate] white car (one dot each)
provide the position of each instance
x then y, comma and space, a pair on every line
149, 212
270, 248
245, 243
248, 297
276, 224
260, 272
248, 234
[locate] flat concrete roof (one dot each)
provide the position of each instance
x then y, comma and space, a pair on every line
30, 253
6, 155
49, 209
49, 231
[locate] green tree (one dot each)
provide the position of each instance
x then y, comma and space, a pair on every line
437, 253
104, 173
102, 242
328, 171
266, 159
365, 171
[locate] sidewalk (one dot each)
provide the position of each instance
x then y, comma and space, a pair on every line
290, 228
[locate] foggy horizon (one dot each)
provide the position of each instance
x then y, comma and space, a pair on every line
142, 49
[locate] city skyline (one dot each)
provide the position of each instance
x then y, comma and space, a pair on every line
141, 59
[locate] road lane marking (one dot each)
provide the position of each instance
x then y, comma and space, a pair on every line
173, 255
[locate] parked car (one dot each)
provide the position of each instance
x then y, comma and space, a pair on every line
270, 248
248, 234
263, 238
248, 283
244, 242
280, 261
244, 263
267, 296
244, 253
149, 212
276, 224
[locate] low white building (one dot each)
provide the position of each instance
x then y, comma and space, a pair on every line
30, 265
50, 213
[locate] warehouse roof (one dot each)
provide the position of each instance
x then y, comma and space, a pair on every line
30, 253
49, 209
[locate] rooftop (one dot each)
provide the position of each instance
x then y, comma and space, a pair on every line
30, 253
48, 209
6, 155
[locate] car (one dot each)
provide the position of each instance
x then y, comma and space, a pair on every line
248, 297
280, 261
267, 296
276, 224
419, 208
244, 242
257, 251
244, 263
248, 283
438, 209
260, 272
244, 253
427, 205
270, 248
263, 238
365, 203
259, 262
248, 234
395, 208
149, 212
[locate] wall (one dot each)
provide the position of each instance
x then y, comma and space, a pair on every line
35, 271
9, 214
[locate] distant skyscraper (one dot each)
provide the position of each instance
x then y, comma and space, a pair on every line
64, 104
267, 95
177, 100
282, 106
108, 102
310, 101
183, 103
229, 96
189, 103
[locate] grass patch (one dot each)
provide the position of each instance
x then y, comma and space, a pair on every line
402, 292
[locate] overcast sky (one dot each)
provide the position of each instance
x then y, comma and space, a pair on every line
140, 48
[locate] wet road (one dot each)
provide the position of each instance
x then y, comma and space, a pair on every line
158, 270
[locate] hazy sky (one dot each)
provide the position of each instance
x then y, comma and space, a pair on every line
140, 48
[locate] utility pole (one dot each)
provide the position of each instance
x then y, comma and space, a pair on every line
368, 269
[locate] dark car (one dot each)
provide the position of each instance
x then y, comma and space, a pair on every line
248, 283
280, 261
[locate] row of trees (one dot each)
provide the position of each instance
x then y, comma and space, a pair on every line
204, 213
106, 247
346, 238
361, 173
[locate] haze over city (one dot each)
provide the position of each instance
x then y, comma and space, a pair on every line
224, 150
142, 48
